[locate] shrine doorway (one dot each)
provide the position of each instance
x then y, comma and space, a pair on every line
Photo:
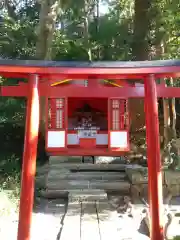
86, 113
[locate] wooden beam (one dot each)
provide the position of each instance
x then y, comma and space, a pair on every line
21, 90
14, 91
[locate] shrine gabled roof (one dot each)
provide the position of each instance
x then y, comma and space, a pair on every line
98, 64
90, 68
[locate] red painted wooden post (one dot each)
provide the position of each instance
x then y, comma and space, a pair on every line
154, 162
148, 132
29, 160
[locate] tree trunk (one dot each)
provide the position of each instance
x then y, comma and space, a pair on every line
86, 30
140, 52
140, 46
169, 109
96, 17
11, 9
47, 19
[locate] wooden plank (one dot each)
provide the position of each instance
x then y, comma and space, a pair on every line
55, 207
48, 223
111, 224
89, 166
108, 221
71, 225
89, 222
101, 184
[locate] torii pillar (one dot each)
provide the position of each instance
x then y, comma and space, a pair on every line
29, 160
154, 160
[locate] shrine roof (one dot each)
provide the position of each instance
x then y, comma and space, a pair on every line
100, 68
98, 64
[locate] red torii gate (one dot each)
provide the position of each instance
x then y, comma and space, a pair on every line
35, 71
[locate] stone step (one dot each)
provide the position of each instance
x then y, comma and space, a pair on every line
76, 159
41, 182
54, 194
41, 170
138, 174
93, 184
88, 166
87, 195
85, 176
64, 159
110, 160
171, 177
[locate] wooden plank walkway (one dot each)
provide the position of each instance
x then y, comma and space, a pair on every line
72, 222
89, 218
46, 225
89, 221
107, 221
96, 219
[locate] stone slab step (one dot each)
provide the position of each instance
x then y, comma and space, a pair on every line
87, 195
89, 166
54, 194
59, 171
138, 174
101, 184
40, 170
110, 160
76, 194
41, 182
172, 177
64, 159
86, 176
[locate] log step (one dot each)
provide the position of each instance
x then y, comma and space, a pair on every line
93, 184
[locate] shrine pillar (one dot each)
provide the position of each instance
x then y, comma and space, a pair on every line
154, 161
29, 160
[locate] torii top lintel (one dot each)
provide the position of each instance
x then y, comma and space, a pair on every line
73, 69
52, 70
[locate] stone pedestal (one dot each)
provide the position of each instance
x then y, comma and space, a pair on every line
172, 181
138, 177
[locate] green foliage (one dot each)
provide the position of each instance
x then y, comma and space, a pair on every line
176, 238
110, 36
